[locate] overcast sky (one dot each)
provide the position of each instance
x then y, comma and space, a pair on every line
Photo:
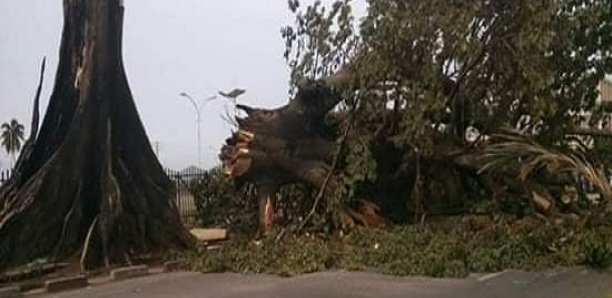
195, 46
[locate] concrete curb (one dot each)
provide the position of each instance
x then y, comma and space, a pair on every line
172, 266
66, 283
17, 275
129, 272
10, 292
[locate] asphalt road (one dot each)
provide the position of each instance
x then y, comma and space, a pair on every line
570, 283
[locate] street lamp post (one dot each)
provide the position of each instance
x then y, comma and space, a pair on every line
198, 110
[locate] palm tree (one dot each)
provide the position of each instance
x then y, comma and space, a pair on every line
12, 136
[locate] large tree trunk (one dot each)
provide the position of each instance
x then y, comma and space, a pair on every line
92, 186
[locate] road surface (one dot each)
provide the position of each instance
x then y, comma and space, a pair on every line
570, 283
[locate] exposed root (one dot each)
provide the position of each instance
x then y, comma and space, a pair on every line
128, 260
65, 225
86, 245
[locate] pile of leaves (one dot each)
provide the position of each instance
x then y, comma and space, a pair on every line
223, 202
432, 250
220, 202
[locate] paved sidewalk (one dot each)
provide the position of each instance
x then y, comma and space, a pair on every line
570, 283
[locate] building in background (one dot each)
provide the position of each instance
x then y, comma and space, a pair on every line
605, 98
605, 90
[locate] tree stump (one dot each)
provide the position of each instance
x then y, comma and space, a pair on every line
91, 187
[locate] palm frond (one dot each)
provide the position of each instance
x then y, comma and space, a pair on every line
533, 157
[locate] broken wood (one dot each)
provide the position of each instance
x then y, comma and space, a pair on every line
209, 234
542, 201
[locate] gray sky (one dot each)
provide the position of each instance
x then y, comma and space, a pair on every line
169, 46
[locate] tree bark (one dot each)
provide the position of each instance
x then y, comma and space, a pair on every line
92, 185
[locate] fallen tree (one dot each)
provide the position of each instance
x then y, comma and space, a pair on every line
91, 187
434, 95
432, 99
510, 170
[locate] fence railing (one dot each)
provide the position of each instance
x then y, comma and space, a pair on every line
4, 175
183, 181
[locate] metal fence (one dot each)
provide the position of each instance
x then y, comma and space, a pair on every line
4, 175
183, 182
182, 188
